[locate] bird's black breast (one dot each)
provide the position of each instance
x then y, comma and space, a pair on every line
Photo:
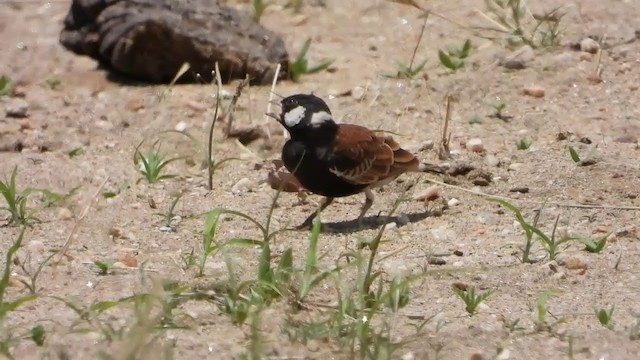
313, 173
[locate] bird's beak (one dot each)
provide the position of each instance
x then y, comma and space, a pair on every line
275, 102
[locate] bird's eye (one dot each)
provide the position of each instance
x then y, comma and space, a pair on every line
292, 101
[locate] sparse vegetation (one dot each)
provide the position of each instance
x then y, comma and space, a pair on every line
523, 144
414, 68
300, 66
5, 85
189, 267
574, 155
105, 267
604, 317
258, 7
295, 5
454, 58
471, 299
75, 152
409, 71
594, 245
53, 83
541, 310
152, 163
7, 338
498, 107
16, 203
550, 243
517, 25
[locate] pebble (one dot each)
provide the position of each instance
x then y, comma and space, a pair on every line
182, 126
65, 214
589, 45
515, 166
520, 189
166, 229
104, 125
35, 247
226, 94
487, 218
564, 60
135, 104
453, 202
436, 260
403, 219
408, 356
129, 260
242, 185
358, 93
17, 108
519, 59
26, 124
430, 194
534, 91
396, 268
299, 19
574, 263
475, 145
443, 234
621, 232
492, 160
390, 226
426, 145
115, 233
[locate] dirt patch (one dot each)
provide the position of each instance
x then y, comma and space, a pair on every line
80, 129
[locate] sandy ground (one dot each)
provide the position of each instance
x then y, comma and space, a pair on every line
366, 39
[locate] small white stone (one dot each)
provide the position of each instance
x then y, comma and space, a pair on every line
589, 45
475, 145
515, 166
488, 218
403, 219
492, 160
408, 356
242, 185
17, 108
65, 214
426, 145
182, 126
104, 125
443, 234
358, 93
390, 226
226, 95
453, 202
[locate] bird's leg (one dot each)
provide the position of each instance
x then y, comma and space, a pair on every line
366, 206
307, 223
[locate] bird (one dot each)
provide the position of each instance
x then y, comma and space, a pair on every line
338, 160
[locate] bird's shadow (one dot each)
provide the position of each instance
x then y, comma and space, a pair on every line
372, 222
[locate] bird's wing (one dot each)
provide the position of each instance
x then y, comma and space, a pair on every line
360, 156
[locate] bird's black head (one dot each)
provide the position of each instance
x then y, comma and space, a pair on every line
303, 112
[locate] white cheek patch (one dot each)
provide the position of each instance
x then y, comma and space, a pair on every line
294, 116
320, 118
